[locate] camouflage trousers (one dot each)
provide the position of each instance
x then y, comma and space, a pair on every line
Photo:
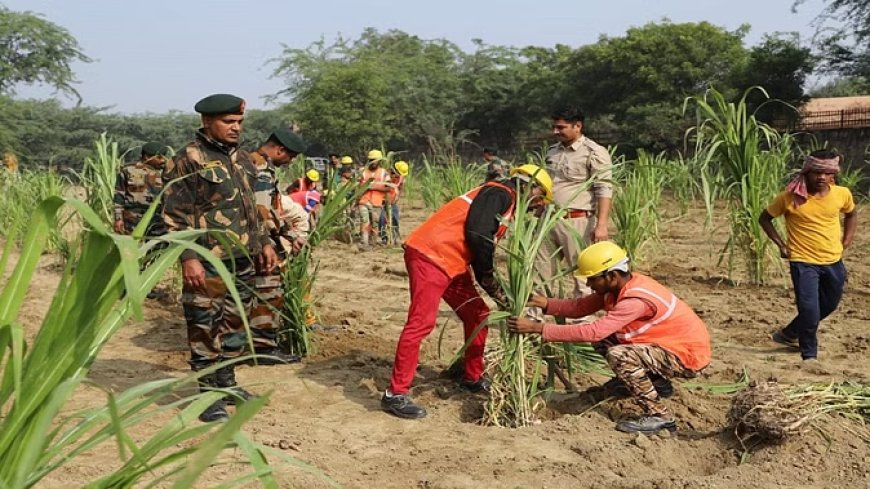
265, 319
632, 363
214, 325
367, 216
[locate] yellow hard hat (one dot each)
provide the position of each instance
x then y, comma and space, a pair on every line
600, 257
401, 167
375, 154
313, 175
540, 175
346, 160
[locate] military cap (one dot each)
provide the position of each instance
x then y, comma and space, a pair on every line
220, 103
289, 139
153, 149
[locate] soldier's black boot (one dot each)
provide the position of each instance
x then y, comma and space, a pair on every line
217, 411
226, 379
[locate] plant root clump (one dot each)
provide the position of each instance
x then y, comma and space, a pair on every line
765, 412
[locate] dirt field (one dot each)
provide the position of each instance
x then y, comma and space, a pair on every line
326, 411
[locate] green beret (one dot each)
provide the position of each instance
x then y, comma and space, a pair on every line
220, 103
153, 149
289, 139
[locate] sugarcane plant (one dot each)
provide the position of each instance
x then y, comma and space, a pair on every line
753, 158
300, 271
516, 365
101, 287
98, 176
636, 203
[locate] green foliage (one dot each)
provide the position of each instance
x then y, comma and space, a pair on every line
383, 87
441, 183
34, 50
98, 177
642, 77
753, 159
780, 65
636, 203
100, 289
22, 192
300, 271
516, 393
843, 31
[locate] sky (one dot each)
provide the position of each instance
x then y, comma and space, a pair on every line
161, 55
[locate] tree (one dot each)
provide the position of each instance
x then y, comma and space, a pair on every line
649, 70
780, 65
843, 28
383, 88
34, 50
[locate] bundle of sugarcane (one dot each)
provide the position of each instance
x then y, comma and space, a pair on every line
771, 413
515, 366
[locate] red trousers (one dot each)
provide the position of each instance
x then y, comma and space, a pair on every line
429, 284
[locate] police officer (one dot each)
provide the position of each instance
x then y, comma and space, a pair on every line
217, 195
581, 170
280, 149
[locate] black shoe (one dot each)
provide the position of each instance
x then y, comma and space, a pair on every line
482, 384
402, 406
646, 424
274, 356
217, 411
225, 378
782, 339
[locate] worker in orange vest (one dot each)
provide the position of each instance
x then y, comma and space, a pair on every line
378, 181
305, 182
647, 336
438, 254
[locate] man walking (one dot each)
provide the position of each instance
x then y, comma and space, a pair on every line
812, 204
216, 195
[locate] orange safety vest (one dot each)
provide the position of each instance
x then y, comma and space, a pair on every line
374, 197
674, 326
442, 237
393, 193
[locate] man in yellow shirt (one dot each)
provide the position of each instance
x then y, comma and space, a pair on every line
812, 204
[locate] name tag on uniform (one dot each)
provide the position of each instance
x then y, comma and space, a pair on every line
212, 164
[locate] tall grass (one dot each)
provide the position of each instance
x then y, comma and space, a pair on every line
516, 393
21, 193
440, 183
98, 177
753, 159
300, 271
101, 288
636, 202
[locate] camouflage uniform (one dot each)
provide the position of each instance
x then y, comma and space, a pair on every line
496, 169
216, 195
265, 317
137, 186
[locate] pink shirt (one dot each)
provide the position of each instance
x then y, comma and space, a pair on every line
623, 313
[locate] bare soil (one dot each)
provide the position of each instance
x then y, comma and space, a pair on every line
326, 412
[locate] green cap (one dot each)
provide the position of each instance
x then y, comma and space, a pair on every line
290, 140
153, 149
220, 103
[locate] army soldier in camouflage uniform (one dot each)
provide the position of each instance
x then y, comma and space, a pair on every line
217, 195
279, 150
137, 186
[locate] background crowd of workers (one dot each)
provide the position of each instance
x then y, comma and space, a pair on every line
646, 334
